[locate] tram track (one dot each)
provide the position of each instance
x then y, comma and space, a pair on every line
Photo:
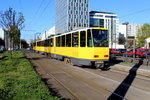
72, 93
98, 72
117, 80
105, 90
52, 76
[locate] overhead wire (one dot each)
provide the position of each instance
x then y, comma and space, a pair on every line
37, 11
34, 16
21, 6
137, 12
43, 11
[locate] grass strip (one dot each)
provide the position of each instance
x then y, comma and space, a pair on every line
19, 81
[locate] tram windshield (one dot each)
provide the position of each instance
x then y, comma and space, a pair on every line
100, 38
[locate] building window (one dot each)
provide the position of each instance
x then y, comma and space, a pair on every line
101, 23
96, 22
111, 16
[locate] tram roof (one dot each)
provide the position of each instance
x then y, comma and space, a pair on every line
78, 29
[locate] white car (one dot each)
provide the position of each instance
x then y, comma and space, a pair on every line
1, 48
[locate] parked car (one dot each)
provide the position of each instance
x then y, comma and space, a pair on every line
148, 54
122, 50
29, 48
139, 53
115, 52
2, 49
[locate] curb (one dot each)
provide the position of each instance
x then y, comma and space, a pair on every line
142, 72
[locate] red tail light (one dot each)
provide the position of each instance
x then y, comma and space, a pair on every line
96, 56
105, 55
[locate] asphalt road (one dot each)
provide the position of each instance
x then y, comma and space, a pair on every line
84, 83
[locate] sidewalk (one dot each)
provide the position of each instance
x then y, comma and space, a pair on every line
131, 68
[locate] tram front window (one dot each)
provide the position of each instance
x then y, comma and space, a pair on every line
100, 38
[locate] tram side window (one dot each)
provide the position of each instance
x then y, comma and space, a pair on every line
63, 41
46, 43
51, 43
60, 38
42, 43
68, 40
82, 38
38, 43
89, 38
34, 44
75, 39
57, 41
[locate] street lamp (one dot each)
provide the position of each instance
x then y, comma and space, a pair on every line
126, 23
111, 32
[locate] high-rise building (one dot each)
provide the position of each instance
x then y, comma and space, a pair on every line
130, 32
71, 14
133, 29
106, 20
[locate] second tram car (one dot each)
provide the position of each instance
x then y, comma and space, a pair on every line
87, 46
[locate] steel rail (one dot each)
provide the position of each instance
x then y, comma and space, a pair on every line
75, 97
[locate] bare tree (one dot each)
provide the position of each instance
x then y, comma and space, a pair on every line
12, 23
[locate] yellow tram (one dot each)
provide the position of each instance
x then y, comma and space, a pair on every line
87, 46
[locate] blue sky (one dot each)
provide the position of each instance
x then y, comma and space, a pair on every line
40, 14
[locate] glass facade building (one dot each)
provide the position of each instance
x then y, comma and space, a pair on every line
106, 20
71, 14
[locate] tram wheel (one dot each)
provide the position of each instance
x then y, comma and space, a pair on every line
99, 66
49, 56
68, 61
